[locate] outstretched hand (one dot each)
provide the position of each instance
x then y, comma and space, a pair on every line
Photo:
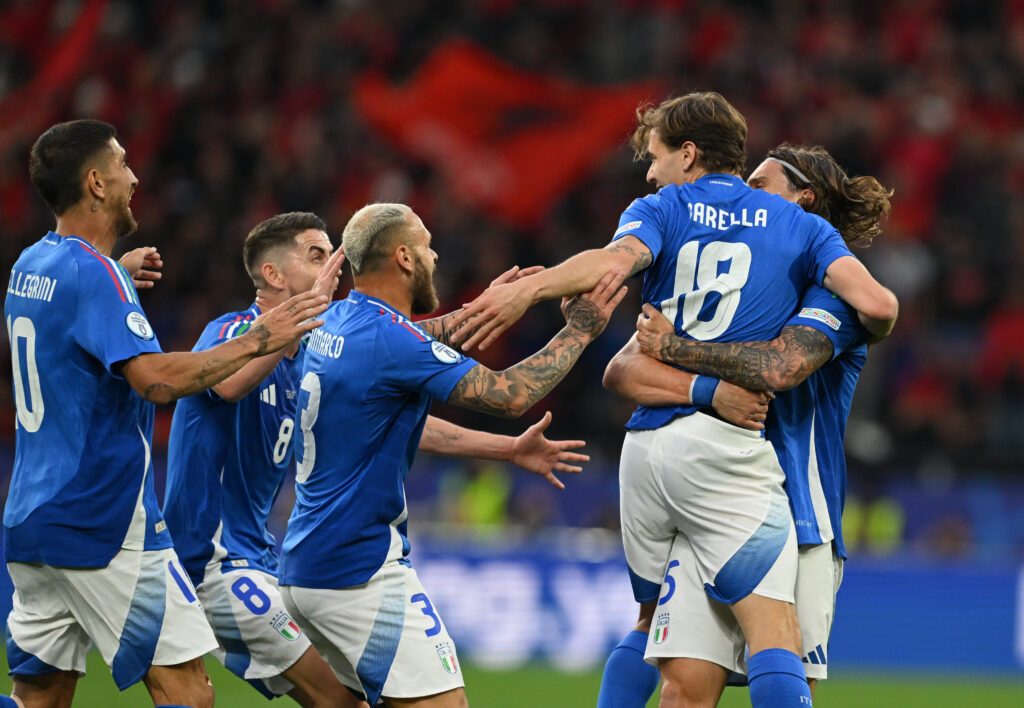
143, 266
535, 453
591, 311
653, 332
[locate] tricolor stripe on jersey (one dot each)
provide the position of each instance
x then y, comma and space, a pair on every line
117, 272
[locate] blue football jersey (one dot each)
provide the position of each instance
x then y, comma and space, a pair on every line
730, 263
82, 486
807, 425
227, 461
369, 377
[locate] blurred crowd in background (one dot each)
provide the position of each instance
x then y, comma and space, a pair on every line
233, 111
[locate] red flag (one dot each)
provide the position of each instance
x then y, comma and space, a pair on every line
509, 141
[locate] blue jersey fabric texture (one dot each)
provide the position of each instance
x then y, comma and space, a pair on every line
227, 461
807, 425
730, 263
370, 375
83, 436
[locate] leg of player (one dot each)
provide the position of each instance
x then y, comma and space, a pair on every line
628, 681
693, 683
456, 698
774, 668
316, 685
55, 689
185, 684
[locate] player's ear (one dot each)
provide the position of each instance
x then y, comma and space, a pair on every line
806, 198
94, 183
272, 275
404, 258
689, 151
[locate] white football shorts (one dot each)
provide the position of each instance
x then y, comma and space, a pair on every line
687, 623
139, 611
383, 638
721, 487
817, 581
259, 640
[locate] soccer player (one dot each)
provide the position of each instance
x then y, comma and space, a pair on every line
818, 355
230, 449
84, 541
726, 263
368, 379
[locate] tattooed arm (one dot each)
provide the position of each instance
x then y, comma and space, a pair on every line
440, 328
166, 377
780, 364
500, 307
511, 392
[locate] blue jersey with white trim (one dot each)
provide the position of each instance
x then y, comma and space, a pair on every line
369, 378
807, 425
82, 485
226, 463
730, 263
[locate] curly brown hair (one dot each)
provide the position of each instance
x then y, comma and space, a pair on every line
855, 206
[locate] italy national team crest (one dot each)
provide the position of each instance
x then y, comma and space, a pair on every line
661, 629
286, 626
446, 654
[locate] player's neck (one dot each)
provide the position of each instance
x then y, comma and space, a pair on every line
393, 291
93, 227
269, 299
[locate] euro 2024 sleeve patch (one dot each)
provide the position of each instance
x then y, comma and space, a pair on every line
139, 325
444, 354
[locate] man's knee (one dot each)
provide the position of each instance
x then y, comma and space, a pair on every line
185, 684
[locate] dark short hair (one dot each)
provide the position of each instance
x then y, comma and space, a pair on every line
60, 155
854, 205
705, 119
275, 232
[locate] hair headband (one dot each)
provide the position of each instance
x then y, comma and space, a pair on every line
792, 169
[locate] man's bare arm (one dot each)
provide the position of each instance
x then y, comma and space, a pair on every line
649, 382
500, 307
876, 305
511, 392
531, 450
166, 377
646, 381
783, 363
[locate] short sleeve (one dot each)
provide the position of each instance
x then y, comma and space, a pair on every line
828, 314
824, 247
224, 328
643, 220
110, 323
412, 360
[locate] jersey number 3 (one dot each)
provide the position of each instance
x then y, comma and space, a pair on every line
700, 273
305, 459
